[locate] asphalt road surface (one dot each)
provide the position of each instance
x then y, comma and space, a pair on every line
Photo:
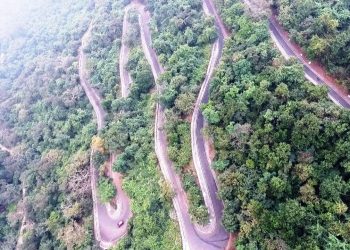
125, 78
92, 95
200, 158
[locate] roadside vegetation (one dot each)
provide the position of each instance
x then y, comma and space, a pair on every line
47, 120
102, 50
106, 190
281, 146
323, 31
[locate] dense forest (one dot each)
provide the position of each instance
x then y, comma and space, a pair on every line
281, 146
103, 49
48, 127
323, 31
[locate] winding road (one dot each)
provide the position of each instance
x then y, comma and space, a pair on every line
106, 218
94, 98
193, 236
212, 236
313, 72
200, 156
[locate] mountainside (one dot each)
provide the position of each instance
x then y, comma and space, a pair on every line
46, 123
184, 124
281, 146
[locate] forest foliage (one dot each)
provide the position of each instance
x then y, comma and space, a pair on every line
45, 120
131, 134
322, 29
282, 146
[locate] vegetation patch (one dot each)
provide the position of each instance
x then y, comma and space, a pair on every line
282, 147
322, 30
106, 190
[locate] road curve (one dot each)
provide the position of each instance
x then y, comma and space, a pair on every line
192, 238
105, 217
201, 159
285, 46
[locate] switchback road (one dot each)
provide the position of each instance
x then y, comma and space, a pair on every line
192, 237
106, 218
94, 98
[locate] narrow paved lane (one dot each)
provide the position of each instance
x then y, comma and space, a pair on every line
3, 148
201, 159
92, 95
125, 78
313, 72
106, 218
210, 6
192, 238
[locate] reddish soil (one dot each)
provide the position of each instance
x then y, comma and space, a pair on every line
231, 242
212, 151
